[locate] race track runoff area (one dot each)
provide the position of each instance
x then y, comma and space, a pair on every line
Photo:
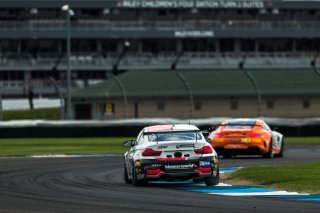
221, 189
229, 190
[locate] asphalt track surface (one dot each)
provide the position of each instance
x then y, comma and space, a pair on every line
95, 184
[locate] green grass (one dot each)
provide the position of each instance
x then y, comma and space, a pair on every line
46, 114
302, 141
299, 177
45, 146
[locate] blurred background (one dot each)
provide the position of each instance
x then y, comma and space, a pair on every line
105, 60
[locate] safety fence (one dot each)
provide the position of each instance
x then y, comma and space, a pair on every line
161, 25
131, 127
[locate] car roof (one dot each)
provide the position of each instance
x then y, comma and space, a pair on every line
171, 127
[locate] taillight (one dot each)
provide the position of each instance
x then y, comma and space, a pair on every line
219, 135
254, 136
203, 150
150, 152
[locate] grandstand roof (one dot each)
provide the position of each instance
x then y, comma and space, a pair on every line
208, 83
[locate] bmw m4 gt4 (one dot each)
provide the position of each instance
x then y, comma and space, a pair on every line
170, 153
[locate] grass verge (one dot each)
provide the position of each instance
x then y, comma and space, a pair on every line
298, 178
292, 141
45, 114
45, 146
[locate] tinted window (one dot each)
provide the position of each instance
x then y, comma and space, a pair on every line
306, 104
240, 124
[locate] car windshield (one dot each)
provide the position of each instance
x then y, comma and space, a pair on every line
174, 136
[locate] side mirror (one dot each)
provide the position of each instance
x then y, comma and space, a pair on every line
128, 143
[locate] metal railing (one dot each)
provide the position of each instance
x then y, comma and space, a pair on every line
160, 60
164, 25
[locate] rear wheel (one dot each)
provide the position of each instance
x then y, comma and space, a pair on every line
269, 154
135, 180
212, 180
280, 155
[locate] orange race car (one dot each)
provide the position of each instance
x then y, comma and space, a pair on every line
246, 137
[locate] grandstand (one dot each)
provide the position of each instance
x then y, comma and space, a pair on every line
114, 36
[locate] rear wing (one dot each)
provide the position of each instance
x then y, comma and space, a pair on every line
175, 131
156, 136
214, 127
239, 125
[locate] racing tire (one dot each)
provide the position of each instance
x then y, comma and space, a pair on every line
212, 180
197, 180
125, 175
227, 156
135, 180
280, 155
269, 154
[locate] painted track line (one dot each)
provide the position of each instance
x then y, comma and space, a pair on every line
73, 156
237, 191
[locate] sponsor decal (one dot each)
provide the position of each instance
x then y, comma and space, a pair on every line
193, 34
155, 165
205, 163
246, 140
190, 4
187, 166
229, 4
185, 146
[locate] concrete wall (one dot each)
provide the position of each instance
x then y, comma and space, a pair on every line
291, 107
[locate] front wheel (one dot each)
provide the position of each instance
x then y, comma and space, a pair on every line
125, 175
